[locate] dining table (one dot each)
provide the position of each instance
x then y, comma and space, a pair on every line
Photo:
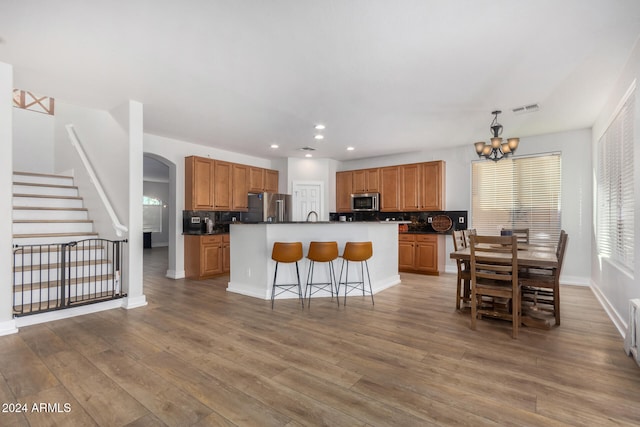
529, 256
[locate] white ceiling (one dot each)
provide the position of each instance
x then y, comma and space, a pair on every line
384, 76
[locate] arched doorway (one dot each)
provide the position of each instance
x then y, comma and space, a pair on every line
159, 176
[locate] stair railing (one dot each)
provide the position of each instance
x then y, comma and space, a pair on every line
75, 141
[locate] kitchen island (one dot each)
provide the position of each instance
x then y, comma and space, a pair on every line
252, 267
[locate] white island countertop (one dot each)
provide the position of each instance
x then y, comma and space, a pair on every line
252, 267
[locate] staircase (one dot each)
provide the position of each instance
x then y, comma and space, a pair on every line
59, 260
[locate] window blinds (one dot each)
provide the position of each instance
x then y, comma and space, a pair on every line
615, 188
518, 193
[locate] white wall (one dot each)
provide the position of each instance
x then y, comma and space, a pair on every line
32, 141
7, 324
611, 284
576, 188
313, 170
106, 144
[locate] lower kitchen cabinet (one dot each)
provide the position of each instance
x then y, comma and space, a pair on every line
421, 253
206, 255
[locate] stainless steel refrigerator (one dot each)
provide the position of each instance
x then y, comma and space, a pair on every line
269, 207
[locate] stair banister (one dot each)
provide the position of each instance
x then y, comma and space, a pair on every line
75, 141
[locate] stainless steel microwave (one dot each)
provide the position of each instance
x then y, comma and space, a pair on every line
365, 202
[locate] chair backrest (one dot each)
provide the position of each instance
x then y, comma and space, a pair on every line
357, 251
467, 236
287, 251
494, 259
323, 251
562, 246
458, 240
521, 233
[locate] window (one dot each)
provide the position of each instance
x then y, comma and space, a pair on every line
151, 214
615, 187
521, 192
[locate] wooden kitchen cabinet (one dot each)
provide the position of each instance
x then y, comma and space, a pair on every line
421, 253
432, 186
222, 196
366, 181
199, 179
271, 181
406, 252
216, 185
263, 180
203, 256
389, 190
256, 179
240, 188
344, 188
226, 253
409, 187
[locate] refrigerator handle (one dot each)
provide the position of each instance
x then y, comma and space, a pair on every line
280, 210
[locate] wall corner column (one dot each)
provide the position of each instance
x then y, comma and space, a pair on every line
7, 323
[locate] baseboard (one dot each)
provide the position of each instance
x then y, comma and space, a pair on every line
575, 280
173, 274
50, 316
619, 322
9, 327
134, 302
159, 245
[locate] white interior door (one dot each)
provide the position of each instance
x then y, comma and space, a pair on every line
307, 197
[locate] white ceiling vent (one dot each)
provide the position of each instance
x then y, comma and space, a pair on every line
531, 108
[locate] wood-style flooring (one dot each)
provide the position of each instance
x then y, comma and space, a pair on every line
197, 355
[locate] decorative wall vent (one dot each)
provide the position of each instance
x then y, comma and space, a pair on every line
29, 101
531, 108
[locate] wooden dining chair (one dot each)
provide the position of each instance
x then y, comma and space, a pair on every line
541, 287
467, 236
522, 234
494, 276
464, 272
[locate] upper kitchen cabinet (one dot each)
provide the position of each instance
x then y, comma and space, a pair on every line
240, 188
366, 181
270, 181
216, 185
199, 179
263, 180
256, 179
344, 188
389, 189
222, 195
405, 188
409, 187
432, 186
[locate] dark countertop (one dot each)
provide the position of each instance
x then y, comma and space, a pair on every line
195, 233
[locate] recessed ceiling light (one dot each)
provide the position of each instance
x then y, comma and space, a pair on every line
350, 148
274, 146
319, 137
308, 155
319, 127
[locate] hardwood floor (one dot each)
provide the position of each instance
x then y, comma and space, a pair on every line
198, 355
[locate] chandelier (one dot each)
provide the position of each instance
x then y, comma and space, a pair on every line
496, 149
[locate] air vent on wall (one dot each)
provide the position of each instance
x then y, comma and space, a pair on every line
531, 108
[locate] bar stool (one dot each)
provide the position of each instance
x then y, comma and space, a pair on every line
286, 252
321, 252
356, 252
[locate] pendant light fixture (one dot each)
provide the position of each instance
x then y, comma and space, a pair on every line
496, 149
